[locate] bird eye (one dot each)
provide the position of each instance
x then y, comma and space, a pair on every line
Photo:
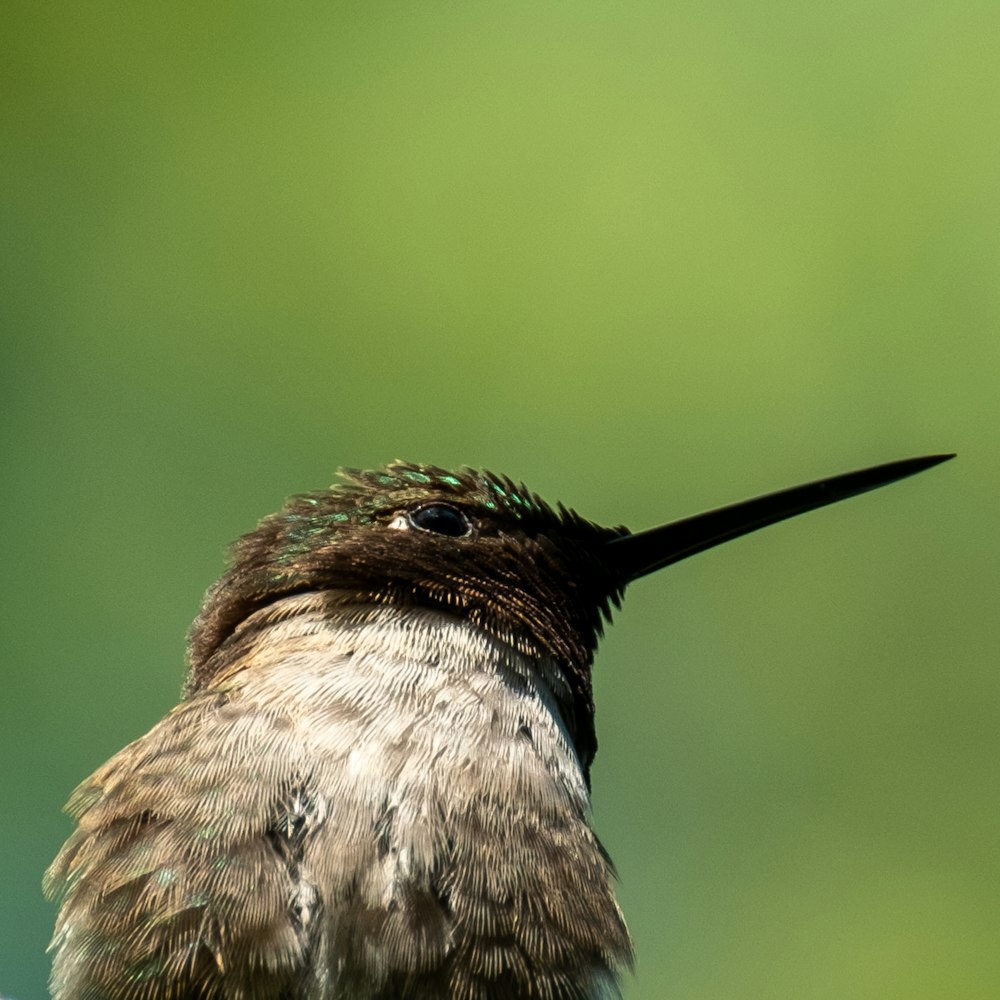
440, 518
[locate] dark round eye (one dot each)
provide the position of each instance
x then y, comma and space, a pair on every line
441, 518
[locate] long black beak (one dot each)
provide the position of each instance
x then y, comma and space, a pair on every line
650, 550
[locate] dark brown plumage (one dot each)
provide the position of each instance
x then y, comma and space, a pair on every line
295, 827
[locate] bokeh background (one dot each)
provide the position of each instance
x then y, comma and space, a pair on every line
647, 257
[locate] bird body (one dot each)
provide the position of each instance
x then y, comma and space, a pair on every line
376, 786
367, 802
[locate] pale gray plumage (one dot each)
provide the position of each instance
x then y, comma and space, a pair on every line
405, 721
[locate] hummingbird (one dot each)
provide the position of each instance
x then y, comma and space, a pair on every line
376, 785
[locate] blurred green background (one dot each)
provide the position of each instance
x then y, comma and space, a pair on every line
647, 257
